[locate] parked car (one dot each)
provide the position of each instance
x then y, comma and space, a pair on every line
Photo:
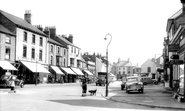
133, 83
148, 80
6, 81
100, 82
123, 82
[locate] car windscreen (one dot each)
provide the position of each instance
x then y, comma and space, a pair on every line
132, 79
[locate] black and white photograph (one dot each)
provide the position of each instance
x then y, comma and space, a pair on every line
92, 55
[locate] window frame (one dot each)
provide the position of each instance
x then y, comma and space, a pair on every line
9, 41
33, 39
40, 55
32, 54
41, 41
8, 54
24, 55
25, 36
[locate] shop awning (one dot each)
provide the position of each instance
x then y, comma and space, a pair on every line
77, 71
35, 67
68, 70
7, 65
57, 70
88, 72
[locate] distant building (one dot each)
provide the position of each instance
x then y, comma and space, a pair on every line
122, 68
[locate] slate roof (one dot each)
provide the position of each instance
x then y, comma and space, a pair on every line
121, 63
67, 42
55, 42
6, 31
22, 23
176, 15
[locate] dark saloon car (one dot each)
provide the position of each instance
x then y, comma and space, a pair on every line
6, 81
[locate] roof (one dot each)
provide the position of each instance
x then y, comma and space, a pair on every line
6, 31
175, 16
55, 42
67, 42
22, 23
122, 63
129, 64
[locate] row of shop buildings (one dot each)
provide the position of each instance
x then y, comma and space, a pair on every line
174, 52
38, 54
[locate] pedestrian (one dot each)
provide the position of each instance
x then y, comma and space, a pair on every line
84, 87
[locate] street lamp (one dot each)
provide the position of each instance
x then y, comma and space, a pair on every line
106, 91
36, 71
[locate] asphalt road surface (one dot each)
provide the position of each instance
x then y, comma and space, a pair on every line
63, 97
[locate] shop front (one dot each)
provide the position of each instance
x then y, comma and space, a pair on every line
70, 76
6, 68
57, 76
33, 73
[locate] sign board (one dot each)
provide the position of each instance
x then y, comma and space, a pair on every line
173, 48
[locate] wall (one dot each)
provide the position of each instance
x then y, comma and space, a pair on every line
20, 43
148, 63
3, 45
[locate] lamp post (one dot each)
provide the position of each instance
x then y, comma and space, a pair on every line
106, 91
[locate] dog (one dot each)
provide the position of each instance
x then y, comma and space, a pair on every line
92, 92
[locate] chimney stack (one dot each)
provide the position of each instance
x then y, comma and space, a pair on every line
52, 31
183, 4
70, 38
46, 31
27, 16
39, 27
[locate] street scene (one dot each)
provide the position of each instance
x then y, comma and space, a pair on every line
92, 55
64, 97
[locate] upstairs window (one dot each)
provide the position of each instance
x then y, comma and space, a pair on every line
24, 51
58, 50
51, 49
25, 37
41, 41
71, 49
33, 39
7, 53
64, 52
40, 55
33, 53
7, 39
51, 60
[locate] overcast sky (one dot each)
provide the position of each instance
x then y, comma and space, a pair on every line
138, 27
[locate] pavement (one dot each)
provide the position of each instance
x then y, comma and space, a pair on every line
155, 96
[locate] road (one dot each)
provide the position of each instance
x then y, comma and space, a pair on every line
64, 97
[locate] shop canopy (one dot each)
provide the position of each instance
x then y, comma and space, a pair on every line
88, 72
68, 70
35, 67
7, 65
57, 70
77, 71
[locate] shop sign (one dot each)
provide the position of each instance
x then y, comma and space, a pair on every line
173, 48
177, 62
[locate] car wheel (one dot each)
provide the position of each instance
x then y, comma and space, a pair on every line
155, 82
141, 90
122, 88
145, 83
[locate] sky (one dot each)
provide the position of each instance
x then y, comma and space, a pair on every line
137, 27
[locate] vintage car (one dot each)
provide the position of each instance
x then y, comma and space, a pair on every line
133, 83
6, 81
148, 80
